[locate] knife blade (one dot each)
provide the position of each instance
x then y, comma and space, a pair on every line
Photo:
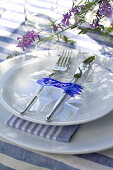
82, 69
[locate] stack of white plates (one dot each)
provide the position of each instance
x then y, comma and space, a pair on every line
19, 81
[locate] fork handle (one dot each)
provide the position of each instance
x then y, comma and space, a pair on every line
31, 100
34, 97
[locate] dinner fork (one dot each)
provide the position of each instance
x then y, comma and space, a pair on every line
61, 66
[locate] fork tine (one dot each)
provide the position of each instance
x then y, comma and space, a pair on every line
67, 59
60, 59
63, 58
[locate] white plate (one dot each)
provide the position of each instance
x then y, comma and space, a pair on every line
19, 83
91, 137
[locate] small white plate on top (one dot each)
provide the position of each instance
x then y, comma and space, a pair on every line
20, 82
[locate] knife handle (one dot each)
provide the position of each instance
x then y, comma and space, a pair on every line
57, 104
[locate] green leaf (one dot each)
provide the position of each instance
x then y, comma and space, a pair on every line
89, 60
9, 56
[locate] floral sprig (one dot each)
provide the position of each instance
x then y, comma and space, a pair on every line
27, 39
78, 14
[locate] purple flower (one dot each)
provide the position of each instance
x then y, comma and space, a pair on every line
82, 6
27, 39
75, 10
55, 27
105, 9
95, 24
66, 17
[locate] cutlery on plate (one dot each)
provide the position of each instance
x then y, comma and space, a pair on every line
61, 66
82, 69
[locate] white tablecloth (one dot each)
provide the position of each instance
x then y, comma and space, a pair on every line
15, 157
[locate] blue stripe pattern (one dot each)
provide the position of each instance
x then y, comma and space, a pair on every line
47, 131
63, 135
3, 167
32, 158
98, 158
67, 130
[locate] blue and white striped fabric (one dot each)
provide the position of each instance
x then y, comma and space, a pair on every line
15, 157
59, 133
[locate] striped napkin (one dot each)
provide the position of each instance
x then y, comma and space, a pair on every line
44, 103
59, 133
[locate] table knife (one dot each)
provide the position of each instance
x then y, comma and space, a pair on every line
82, 69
